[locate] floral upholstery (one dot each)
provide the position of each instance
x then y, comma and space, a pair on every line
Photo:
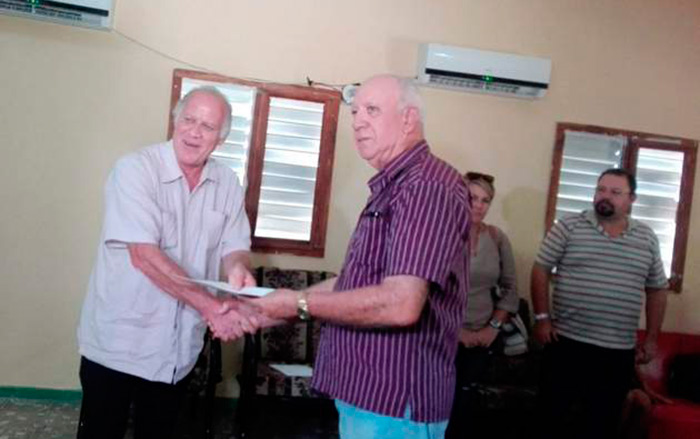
292, 340
287, 344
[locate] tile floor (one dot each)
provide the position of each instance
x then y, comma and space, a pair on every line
31, 419
45, 419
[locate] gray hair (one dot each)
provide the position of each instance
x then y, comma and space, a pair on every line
213, 91
409, 96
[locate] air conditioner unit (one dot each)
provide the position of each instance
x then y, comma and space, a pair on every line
481, 71
95, 14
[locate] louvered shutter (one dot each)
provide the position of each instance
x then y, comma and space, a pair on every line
292, 150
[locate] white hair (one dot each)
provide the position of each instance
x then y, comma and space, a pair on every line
409, 96
213, 91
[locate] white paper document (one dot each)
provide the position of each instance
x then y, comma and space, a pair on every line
223, 286
294, 370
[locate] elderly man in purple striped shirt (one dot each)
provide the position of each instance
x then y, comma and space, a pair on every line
387, 349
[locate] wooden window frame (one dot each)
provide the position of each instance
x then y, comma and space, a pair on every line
636, 140
315, 246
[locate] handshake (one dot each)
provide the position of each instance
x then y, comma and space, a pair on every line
235, 317
232, 317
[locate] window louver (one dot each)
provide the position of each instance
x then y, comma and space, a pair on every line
658, 191
289, 169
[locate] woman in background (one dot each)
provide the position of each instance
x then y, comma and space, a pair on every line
491, 300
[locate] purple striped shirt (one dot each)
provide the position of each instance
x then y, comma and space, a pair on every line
415, 223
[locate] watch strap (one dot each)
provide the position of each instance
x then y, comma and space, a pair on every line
541, 316
303, 306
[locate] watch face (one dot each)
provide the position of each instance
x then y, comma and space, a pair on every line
303, 308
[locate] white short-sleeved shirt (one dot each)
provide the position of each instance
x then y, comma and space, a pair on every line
127, 323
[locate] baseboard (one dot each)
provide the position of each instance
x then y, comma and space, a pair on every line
41, 393
70, 395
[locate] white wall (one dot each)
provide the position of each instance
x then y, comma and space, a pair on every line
74, 100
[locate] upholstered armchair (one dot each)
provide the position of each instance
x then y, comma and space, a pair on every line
680, 420
262, 385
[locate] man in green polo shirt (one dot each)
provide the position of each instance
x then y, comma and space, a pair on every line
604, 264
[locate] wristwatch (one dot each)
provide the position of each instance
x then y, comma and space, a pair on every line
541, 316
495, 324
303, 306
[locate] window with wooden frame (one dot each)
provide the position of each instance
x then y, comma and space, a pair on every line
281, 147
665, 170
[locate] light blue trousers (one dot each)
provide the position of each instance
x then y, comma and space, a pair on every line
355, 423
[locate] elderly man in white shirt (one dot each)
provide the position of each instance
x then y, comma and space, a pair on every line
170, 213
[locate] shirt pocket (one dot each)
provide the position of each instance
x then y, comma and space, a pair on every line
169, 237
131, 298
213, 228
372, 239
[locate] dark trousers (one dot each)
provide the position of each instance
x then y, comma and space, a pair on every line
472, 364
582, 389
107, 398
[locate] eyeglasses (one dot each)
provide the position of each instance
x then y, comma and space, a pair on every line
616, 193
471, 176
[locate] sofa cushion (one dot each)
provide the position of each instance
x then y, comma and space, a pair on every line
670, 344
272, 382
284, 343
675, 421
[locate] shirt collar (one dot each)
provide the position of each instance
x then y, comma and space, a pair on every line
592, 218
391, 171
172, 169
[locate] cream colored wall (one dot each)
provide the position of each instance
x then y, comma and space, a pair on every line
74, 100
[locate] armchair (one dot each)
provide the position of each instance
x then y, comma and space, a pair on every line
680, 420
264, 388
